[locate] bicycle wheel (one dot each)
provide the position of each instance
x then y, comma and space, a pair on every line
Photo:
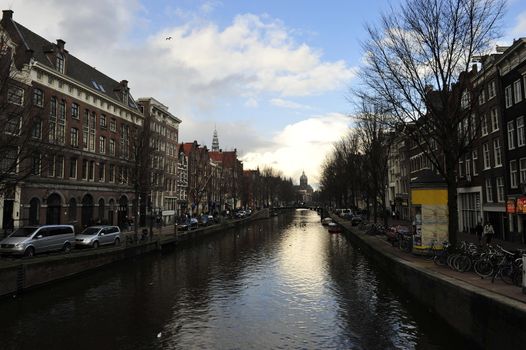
451, 260
483, 268
440, 259
462, 263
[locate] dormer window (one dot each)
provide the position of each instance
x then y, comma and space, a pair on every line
59, 63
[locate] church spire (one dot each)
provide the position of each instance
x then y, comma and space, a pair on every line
215, 142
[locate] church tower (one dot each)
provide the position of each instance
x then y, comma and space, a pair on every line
215, 142
303, 180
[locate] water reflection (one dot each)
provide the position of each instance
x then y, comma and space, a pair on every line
280, 283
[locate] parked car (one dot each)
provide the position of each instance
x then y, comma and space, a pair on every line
345, 213
356, 220
30, 240
95, 236
326, 221
193, 223
206, 220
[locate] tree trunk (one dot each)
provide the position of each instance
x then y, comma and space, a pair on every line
452, 205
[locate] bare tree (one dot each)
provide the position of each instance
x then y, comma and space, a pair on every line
415, 60
342, 181
373, 130
31, 131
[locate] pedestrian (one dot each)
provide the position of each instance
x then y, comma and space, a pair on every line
488, 232
478, 230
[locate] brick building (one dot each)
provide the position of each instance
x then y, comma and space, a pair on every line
87, 118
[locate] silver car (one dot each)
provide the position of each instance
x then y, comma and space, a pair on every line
94, 236
30, 240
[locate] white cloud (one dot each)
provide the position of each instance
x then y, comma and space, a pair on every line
252, 103
301, 146
278, 102
204, 66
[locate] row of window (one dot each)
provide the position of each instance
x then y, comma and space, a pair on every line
500, 189
513, 93
90, 170
492, 92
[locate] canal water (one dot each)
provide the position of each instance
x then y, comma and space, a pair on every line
282, 283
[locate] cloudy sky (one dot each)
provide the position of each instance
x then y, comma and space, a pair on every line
271, 75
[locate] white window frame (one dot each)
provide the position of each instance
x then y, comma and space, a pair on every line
521, 140
517, 91
482, 97
489, 190
511, 134
15, 95
486, 155
508, 96
494, 115
484, 125
492, 91
102, 145
522, 170
497, 152
513, 174
500, 189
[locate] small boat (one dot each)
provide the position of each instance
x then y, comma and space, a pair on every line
326, 221
334, 228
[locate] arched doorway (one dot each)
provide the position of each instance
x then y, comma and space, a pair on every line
87, 210
122, 215
72, 211
53, 209
34, 211
101, 210
111, 211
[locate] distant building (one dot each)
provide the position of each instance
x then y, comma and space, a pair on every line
304, 190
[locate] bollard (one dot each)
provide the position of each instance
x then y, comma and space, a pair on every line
524, 273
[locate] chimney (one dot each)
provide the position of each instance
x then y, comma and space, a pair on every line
7, 15
474, 68
60, 44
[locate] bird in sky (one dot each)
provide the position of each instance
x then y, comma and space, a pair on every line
169, 38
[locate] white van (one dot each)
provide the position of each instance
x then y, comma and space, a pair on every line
30, 240
94, 236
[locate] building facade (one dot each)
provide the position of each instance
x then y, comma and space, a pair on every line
511, 66
87, 121
161, 128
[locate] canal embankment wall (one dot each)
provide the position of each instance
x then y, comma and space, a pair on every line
491, 320
19, 275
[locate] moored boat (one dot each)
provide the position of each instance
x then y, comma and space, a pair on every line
334, 227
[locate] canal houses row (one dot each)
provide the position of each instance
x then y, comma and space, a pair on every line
78, 148
491, 177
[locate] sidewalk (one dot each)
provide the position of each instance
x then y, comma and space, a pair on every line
498, 287
468, 237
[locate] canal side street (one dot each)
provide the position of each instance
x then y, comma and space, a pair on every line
492, 314
20, 274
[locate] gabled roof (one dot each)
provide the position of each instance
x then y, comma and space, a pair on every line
74, 67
